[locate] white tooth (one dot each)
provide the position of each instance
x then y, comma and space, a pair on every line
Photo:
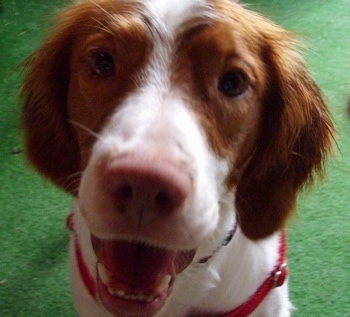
104, 274
132, 297
140, 298
129, 297
120, 293
162, 284
111, 291
150, 299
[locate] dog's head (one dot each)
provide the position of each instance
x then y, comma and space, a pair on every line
170, 121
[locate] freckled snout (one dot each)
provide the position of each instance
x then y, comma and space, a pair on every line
145, 189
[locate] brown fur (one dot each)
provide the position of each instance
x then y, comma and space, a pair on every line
296, 135
53, 146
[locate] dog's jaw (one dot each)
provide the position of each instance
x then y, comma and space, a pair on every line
135, 279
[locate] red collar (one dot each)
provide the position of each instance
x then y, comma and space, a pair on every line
276, 278
84, 271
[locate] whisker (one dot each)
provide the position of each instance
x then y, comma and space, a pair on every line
102, 27
104, 10
72, 181
86, 129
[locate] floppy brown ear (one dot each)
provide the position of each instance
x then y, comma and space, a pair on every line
296, 136
50, 142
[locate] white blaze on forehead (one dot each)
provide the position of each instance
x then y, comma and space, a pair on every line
173, 13
166, 19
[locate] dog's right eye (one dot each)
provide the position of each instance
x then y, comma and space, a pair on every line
102, 64
233, 83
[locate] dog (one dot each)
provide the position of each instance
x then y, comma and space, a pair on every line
185, 131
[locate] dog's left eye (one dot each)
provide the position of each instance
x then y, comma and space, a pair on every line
102, 64
233, 83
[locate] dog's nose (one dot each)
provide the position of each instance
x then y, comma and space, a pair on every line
144, 189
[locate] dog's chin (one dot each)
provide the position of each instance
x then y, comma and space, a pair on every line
135, 279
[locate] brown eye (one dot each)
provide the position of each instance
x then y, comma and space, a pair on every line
102, 64
233, 83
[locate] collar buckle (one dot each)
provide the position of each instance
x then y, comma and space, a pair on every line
280, 275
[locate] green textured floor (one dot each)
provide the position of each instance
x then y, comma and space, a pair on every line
33, 239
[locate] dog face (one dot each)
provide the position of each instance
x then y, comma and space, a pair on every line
170, 122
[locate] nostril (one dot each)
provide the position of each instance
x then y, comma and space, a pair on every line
163, 200
124, 192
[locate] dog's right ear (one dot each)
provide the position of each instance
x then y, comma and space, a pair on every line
50, 142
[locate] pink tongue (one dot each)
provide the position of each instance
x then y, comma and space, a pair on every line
135, 264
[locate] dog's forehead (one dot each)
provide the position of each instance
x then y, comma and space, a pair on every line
173, 13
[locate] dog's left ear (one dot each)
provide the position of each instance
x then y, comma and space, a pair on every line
297, 134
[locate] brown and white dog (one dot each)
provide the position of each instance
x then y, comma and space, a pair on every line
185, 130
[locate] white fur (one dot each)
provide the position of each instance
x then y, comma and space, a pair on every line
173, 13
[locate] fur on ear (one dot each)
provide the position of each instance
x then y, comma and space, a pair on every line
50, 141
297, 134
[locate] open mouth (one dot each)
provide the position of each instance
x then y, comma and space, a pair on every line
134, 278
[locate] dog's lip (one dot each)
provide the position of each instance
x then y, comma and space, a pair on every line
119, 306
182, 258
136, 277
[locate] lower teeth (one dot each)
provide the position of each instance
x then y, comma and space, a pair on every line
131, 297
105, 277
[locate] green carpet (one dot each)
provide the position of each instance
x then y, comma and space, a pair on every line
33, 239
